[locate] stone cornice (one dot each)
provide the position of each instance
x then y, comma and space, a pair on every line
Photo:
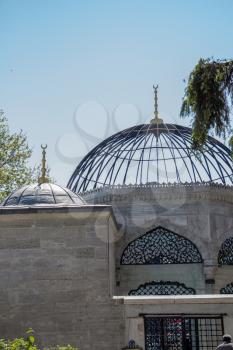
53, 209
175, 299
154, 191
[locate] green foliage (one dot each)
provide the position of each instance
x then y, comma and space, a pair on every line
28, 343
208, 99
14, 155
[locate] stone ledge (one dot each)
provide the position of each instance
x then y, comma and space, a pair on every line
176, 299
50, 208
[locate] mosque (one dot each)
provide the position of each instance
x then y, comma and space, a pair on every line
136, 252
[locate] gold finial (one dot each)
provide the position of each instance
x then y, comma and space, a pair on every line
43, 179
156, 118
155, 101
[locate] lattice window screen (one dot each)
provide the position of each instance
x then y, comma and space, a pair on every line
162, 288
228, 289
160, 246
225, 256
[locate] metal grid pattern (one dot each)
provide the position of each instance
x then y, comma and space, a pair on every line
225, 256
160, 153
162, 288
183, 333
228, 289
160, 246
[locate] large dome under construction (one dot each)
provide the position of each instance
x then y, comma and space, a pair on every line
152, 153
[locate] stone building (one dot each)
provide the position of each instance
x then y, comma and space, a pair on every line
144, 254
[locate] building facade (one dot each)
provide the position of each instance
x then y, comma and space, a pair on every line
144, 256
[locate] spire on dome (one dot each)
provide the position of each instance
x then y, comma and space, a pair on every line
43, 179
156, 118
156, 101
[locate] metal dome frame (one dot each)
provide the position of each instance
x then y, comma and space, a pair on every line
161, 146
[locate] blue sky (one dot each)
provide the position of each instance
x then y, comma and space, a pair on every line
74, 72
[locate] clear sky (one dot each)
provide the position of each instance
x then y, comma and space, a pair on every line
73, 72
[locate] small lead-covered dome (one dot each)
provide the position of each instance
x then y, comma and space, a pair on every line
45, 193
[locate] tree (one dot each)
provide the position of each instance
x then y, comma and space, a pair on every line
208, 100
14, 156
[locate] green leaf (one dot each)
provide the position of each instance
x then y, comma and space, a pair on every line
208, 99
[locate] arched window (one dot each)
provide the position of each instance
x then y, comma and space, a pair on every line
162, 288
228, 289
160, 246
225, 256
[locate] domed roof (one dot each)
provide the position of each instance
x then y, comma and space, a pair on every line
156, 152
45, 193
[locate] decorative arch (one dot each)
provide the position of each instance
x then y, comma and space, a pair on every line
225, 255
162, 288
160, 246
228, 289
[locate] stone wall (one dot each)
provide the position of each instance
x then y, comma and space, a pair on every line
60, 267
200, 212
57, 276
135, 308
131, 276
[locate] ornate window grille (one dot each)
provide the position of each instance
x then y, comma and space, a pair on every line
162, 288
225, 256
228, 289
183, 332
160, 246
